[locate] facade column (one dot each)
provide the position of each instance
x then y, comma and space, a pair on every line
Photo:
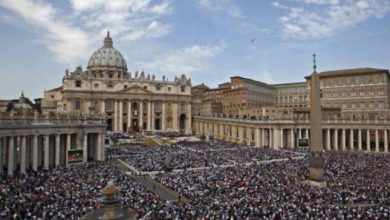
99, 146
46, 152
376, 140
23, 155
299, 133
386, 147
35, 153
103, 110
115, 115
163, 117
351, 144
68, 140
336, 139
257, 137
249, 136
120, 126
141, 115
368, 141
328, 139
240, 135
148, 120
276, 138
85, 148
189, 121
175, 116
152, 116
292, 140
58, 149
262, 137
281, 144
360, 139
11, 156
129, 114
307, 133
343, 139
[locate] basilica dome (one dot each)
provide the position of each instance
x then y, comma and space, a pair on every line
107, 58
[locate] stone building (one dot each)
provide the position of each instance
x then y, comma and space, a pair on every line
360, 93
132, 102
29, 139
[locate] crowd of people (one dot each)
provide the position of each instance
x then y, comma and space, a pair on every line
68, 193
358, 186
194, 155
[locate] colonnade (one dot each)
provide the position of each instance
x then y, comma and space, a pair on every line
287, 134
150, 115
31, 151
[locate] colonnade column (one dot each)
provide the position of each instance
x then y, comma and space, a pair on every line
163, 117
57, 155
368, 141
343, 139
68, 140
360, 139
351, 144
376, 140
240, 135
152, 116
46, 152
292, 140
257, 137
115, 115
336, 139
141, 115
23, 154
85, 148
386, 147
35, 153
129, 116
120, 127
328, 139
262, 137
99, 146
11, 156
281, 144
148, 113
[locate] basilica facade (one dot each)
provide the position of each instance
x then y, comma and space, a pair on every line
132, 102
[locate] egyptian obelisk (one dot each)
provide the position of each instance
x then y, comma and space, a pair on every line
316, 159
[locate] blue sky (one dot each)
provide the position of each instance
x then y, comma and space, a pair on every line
208, 40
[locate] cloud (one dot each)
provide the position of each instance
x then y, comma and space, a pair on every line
71, 36
185, 60
225, 6
322, 18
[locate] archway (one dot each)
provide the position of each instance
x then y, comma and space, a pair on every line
182, 122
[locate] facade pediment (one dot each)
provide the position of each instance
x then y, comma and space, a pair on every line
136, 89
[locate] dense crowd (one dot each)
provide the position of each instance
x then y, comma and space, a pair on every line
195, 155
68, 193
358, 187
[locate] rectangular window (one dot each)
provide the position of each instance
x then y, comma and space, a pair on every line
77, 83
96, 86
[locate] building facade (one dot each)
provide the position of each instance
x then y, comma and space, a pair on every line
30, 140
132, 102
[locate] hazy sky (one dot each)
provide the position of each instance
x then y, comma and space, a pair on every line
209, 40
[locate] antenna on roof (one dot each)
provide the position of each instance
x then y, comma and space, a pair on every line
314, 62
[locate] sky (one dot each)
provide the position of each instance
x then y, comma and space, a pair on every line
208, 40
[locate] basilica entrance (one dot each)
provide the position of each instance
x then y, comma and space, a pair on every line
182, 122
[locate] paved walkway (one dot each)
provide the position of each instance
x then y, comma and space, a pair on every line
152, 185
